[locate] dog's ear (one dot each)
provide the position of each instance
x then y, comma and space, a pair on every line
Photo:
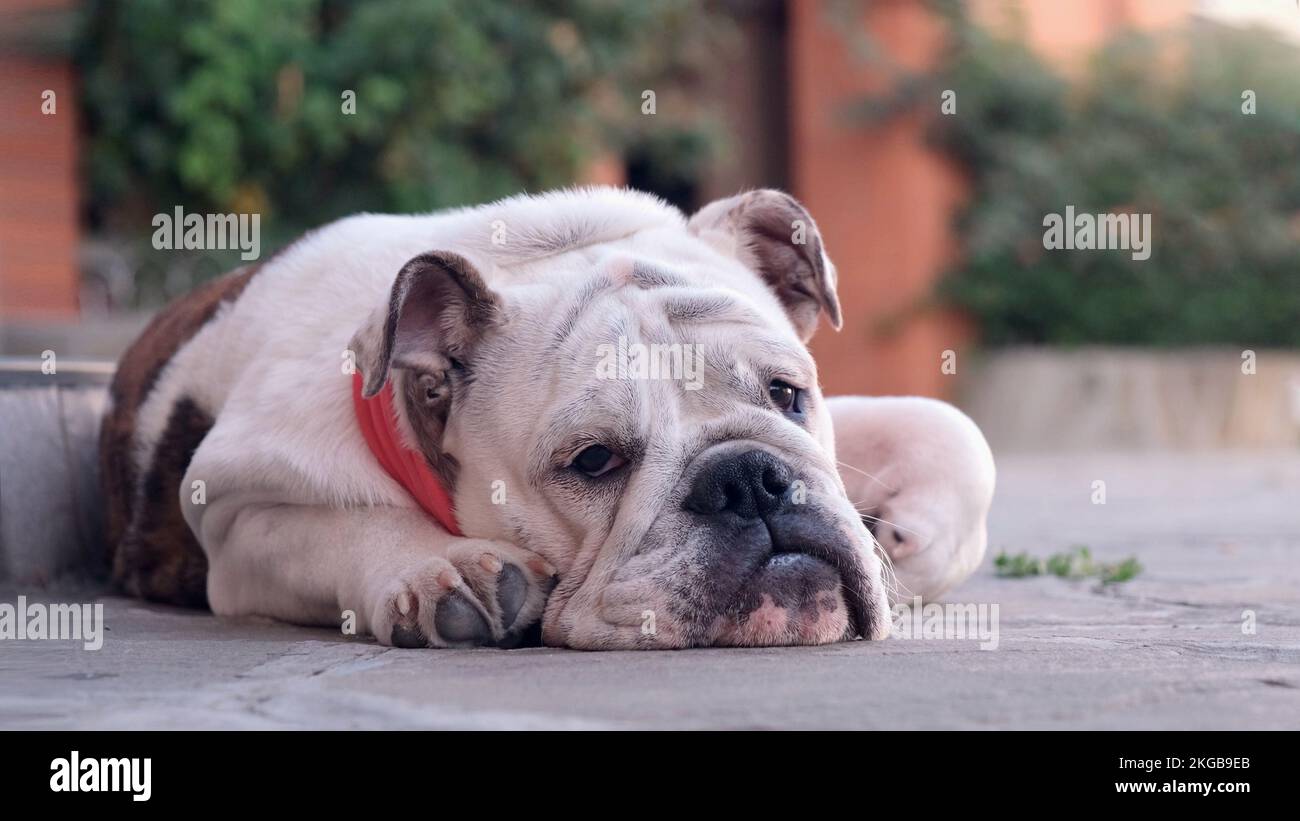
774, 235
438, 309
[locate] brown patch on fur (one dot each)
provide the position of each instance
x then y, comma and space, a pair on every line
142, 531
159, 558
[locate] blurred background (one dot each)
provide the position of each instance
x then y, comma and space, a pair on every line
1146, 411
1188, 110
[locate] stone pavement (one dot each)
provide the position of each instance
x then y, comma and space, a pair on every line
1218, 533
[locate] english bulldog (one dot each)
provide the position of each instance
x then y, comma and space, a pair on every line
580, 410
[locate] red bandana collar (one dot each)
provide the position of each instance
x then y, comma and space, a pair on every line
378, 421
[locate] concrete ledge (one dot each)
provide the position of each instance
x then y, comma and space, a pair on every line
1112, 398
102, 339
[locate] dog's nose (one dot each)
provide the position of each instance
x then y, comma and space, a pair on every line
751, 485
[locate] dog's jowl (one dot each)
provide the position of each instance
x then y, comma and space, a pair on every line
414, 419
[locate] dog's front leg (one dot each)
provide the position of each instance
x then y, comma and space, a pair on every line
408, 582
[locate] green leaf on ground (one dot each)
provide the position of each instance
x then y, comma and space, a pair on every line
1075, 563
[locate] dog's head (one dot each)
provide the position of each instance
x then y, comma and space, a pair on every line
639, 408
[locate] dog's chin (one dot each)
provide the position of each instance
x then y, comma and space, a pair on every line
796, 579
792, 599
789, 599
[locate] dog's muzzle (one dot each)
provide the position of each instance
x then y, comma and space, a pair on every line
779, 570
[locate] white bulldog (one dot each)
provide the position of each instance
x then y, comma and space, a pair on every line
580, 410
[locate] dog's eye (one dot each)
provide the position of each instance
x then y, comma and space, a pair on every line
786, 397
597, 460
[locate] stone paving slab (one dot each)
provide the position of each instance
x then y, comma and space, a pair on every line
1218, 533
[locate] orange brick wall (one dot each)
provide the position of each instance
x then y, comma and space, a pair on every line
38, 190
883, 200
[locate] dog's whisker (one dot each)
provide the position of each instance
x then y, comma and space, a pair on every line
868, 475
915, 533
889, 578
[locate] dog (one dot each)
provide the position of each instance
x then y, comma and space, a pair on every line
924, 489
418, 423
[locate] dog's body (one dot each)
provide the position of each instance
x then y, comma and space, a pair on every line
236, 475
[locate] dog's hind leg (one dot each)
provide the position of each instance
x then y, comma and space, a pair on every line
922, 476
153, 554
158, 557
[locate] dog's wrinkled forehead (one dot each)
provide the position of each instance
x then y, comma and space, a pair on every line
666, 302
646, 321
636, 349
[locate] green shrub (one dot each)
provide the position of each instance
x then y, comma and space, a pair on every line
237, 105
1152, 125
1222, 186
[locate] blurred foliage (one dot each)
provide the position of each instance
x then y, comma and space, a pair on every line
237, 105
1075, 563
1152, 125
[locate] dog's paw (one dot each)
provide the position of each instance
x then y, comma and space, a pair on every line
480, 592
